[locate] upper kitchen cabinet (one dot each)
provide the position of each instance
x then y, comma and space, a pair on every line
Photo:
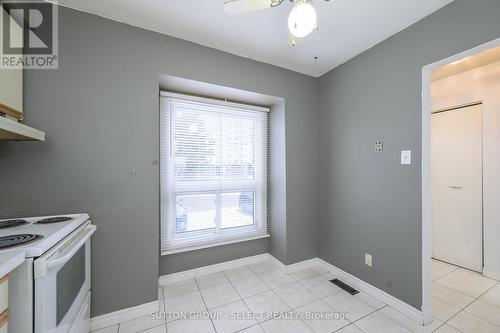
11, 92
11, 80
11, 96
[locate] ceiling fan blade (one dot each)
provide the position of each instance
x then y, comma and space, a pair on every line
244, 6
293, 41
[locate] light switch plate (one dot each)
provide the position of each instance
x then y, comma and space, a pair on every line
368, 260
406, 157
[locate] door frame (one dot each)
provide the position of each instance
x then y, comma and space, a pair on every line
427, 241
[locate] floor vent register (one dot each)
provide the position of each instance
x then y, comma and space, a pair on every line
344, 286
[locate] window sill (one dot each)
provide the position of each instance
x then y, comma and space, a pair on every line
204, 246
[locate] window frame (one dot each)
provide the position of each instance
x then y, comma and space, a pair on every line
170, 189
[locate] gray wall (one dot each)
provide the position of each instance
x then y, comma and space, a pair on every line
100, 111
369, 202
193, 259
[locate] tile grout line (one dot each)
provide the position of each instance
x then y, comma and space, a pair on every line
328, 305
478, 300
271, 289
463, 309
282, 285
322, 299
164, 307
204, 303
444, 262
436, 281
294, 310
208, 309
191, 291
370, 313
317, 299
444, 275
388, 306
243, 300
363, 317
229, 281
260, 293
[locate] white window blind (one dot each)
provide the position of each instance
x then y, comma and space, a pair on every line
213, 172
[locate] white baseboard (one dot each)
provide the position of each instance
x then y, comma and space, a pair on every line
113, 318
192, 273
427, 316
381, 295
200, 271
296, 266
491, 273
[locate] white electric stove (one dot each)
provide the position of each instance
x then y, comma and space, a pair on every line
50, 292
52, 230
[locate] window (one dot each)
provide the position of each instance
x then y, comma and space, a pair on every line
213, 172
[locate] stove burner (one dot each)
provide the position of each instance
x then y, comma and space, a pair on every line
12, 223
13, 240
54, 219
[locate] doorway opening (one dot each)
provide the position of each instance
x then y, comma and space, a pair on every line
460, 180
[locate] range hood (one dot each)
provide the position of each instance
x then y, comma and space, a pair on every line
13, 131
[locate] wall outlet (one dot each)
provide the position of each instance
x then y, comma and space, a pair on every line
368, 260
379, 147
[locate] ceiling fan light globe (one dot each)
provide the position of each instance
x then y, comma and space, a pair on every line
302, 20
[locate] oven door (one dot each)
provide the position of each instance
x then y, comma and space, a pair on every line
62, 282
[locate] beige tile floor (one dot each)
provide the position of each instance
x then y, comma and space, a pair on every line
463, 301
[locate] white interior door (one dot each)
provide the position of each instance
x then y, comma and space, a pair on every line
457, 190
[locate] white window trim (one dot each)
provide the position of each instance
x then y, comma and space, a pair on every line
246, 236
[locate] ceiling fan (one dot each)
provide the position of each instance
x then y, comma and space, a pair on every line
302, 19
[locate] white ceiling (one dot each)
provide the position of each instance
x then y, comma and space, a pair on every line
346, 27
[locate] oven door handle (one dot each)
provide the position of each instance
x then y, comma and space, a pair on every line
69, 252
89, 230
